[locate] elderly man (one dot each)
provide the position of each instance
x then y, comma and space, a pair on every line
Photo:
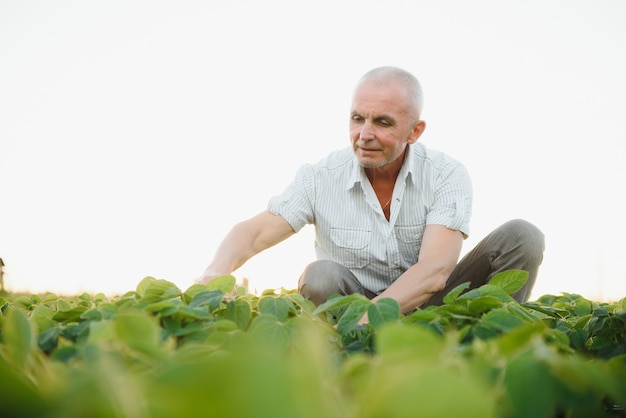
390, 215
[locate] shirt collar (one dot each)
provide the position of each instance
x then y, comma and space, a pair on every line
357, 174
409, 168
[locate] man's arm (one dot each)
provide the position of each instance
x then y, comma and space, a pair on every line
245, 240
438, 256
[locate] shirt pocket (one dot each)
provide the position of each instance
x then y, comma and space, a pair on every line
350, 246
410, 241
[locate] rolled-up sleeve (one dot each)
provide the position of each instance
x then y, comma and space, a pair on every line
452, 205
296, 203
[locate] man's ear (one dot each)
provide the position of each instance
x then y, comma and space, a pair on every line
418, 130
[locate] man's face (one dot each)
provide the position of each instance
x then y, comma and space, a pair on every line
382, 123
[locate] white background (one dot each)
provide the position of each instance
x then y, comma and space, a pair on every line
134, 134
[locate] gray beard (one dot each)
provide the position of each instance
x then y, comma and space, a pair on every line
374, 165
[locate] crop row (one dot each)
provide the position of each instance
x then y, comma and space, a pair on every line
217, 351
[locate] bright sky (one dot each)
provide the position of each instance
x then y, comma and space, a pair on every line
134, 134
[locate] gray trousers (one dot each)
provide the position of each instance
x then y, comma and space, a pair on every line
516, 244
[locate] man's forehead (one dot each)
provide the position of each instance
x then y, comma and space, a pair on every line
381, 91
379, 102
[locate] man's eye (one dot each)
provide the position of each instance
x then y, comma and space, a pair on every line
384, 122
357, 118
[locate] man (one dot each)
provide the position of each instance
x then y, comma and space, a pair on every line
390, 215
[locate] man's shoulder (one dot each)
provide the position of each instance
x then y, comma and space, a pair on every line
437, 158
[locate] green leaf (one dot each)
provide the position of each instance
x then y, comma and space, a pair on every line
583, 307
383, 311
100, 332
157, 289
239, 312
72, 315
18, 337
225, 284
75, 331
486, 290
19, 397
42, 316
600, 312
23, 301
162, 305
63, 305
192, 291
64, 354
522, 313
48, 340
422, 315
620, 314
530, 388
299, 300
193, 313
126, 300
49, 297
269, 329
397, 338
138, 331
107, 310
578, 339
274, 305
547, 309
353, 315
85, 297
210, 298
485, 332
510, 281
484, 304
455, 312
143, 285
197, 328
616, 366
587, 383
519, 339
501, 320
338, 302
452, 296
546, 299
92, 315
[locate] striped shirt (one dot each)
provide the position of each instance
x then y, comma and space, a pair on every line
350, 228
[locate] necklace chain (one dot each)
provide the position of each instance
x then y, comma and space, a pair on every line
388, 202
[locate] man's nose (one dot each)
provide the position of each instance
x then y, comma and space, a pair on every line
367, 133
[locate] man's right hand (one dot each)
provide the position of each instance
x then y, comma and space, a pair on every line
209, 275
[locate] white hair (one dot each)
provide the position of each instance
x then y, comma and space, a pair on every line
388, 73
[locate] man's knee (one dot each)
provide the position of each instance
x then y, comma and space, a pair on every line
322, 278
530, 239
319, 280
529, 249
